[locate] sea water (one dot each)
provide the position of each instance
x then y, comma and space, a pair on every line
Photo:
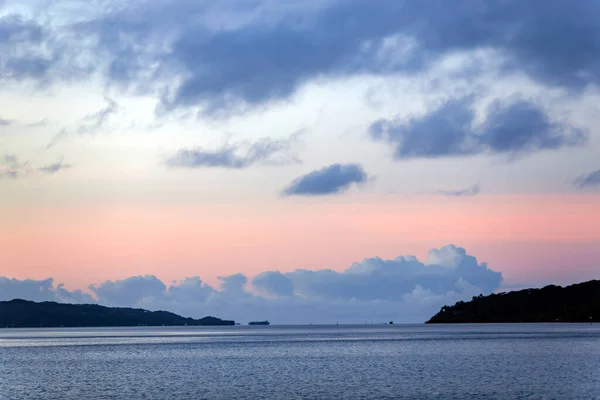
495, 361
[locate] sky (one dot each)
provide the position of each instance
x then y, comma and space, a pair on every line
299, 161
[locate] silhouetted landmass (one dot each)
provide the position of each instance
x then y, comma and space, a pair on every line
575, 303
259, 323
29, 314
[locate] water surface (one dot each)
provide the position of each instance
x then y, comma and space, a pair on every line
495, 361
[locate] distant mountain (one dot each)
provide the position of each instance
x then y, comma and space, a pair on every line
29, 314
575, 303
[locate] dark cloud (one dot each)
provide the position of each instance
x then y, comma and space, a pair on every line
554, 42
333, 179
213, 55
403, 289
591, 180
469, 192
513, 129
258, 63
237, 156
262, 52
55, 167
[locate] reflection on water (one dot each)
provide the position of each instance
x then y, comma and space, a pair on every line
303, 362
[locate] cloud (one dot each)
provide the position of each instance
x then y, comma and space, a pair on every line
5, 122
403, 289
21, 43
514, 129
92, 123
469, 192
234, 286
590, 180
220, 57
528, 34
237, 156
55, 167
11, 167
377, 279
273, 283
336, 178
260, 52
264, 51
89, 124
128, 292
43, 290
191, 290
62, 134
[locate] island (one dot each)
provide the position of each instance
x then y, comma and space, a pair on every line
28, 314
259, 323
575, 303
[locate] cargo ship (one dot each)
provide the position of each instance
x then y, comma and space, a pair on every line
259, 323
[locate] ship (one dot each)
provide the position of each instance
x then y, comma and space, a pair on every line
259, 323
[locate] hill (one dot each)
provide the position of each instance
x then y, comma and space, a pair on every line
29, 314
575, 303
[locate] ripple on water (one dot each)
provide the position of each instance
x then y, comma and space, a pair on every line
446, 362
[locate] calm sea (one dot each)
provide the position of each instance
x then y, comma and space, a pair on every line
511, 361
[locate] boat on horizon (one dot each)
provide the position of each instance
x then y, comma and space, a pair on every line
259, 323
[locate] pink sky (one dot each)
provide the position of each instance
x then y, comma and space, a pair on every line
529, 238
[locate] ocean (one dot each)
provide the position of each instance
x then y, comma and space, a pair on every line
491, 361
